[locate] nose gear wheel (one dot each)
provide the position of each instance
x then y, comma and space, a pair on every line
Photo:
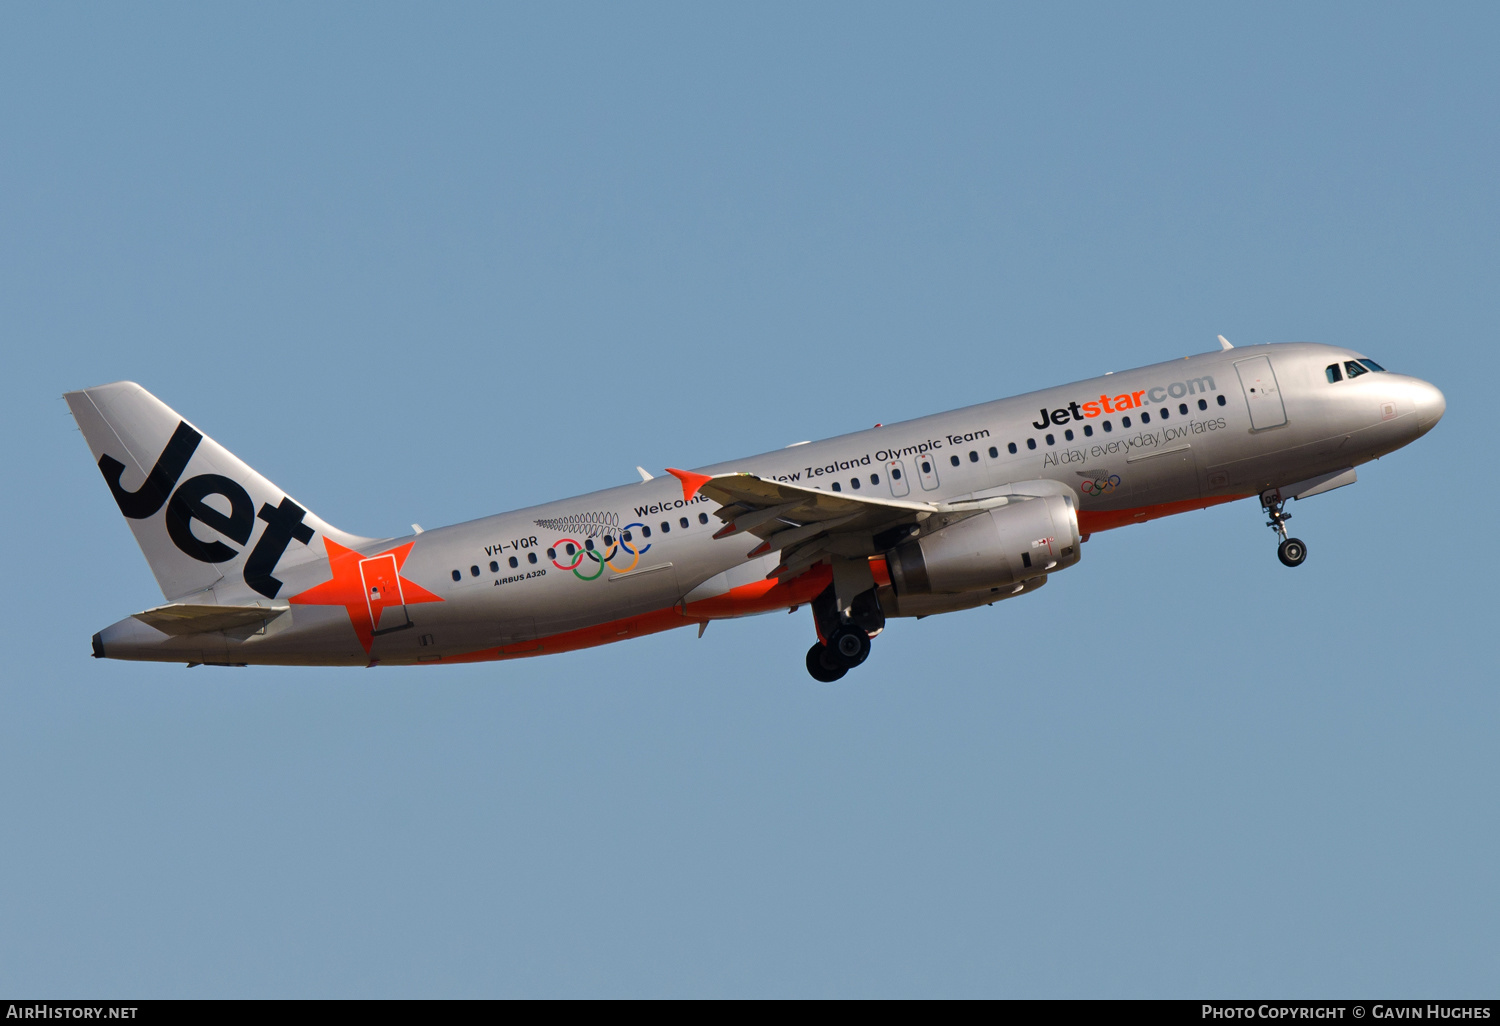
1291, 551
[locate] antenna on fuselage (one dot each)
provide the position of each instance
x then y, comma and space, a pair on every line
1224, 343
644, 476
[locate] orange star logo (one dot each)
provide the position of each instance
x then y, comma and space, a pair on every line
370, 588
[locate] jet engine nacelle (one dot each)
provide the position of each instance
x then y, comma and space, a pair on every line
1024, 539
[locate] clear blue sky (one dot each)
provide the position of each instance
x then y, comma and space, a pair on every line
429, 263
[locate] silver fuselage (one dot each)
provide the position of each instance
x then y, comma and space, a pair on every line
1193, 434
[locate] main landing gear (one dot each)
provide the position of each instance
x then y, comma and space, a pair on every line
848, 638
1291, 551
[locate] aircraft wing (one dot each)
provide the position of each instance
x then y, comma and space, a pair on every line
807, 525
184, 618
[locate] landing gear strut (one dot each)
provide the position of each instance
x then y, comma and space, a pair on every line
1291, 551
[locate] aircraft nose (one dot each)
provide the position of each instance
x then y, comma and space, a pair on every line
1430, 405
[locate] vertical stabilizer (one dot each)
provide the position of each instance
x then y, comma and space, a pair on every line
203, 518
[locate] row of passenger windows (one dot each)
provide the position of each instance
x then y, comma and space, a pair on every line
495, 566
1088, 429
1353, 368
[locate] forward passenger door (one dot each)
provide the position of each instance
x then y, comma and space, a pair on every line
1262, 394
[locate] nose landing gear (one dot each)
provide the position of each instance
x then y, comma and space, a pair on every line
1291, 551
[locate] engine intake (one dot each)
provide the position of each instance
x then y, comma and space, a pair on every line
1024, 539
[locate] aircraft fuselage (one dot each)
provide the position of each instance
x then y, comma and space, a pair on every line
612, 564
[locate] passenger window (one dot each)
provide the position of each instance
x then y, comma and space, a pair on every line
1012, 448
1202, 404
514, 562
1051, 440
1354, 370
530, 558
854, 483
474, 570
953, 460
1107, 427
666, 528
1031, 443
684, 522
1145, 419
1088, 431
608, 541
1182, 409
1372, 365
995, 453
702, 518
626, 536
1068, 434
837, 487
1222, 400
645, 532
494, 567
552, 554
572, 549
874, 479
1124, 421
973, 456
1334, 374
1165, 413
896, 474
926, 467
457, 576
588, 543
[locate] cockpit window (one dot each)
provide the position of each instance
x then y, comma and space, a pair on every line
1334, 374
1354, 369
1372, 365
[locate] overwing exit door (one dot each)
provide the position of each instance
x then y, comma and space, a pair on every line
895, 475
1262, 394
927, 472
382, 581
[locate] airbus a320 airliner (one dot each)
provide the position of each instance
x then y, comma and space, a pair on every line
929, 516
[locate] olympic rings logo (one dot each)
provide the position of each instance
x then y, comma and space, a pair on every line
581, 553
1100, 485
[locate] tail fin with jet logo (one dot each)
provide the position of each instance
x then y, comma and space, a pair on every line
211, 528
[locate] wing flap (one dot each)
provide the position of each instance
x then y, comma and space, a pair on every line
768, 508
808, 525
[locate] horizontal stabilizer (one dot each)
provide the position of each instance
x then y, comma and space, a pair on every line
182, 618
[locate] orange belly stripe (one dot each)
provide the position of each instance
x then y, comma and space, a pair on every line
1090, 521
